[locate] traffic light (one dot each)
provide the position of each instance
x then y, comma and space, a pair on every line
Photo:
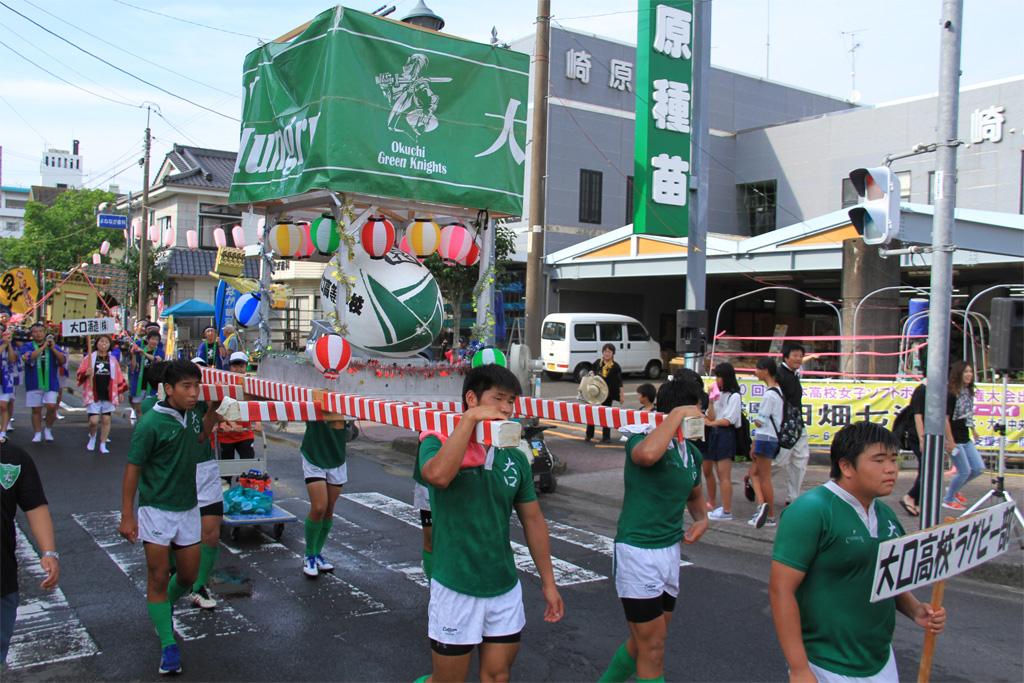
877, 215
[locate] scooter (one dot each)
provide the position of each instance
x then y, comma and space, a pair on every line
543, 462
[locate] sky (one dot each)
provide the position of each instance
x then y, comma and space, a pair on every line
897, 58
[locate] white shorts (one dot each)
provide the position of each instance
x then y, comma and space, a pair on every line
420, 497
208, 488
888, 674
459, 619
37, 398
100, 408
336, 476
6, 397
164, 527
644, 573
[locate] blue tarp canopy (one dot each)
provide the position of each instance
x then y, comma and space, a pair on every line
189, 308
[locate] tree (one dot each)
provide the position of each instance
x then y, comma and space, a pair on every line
60, 236
157, 274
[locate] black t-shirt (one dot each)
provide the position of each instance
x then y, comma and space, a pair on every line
21, 488
789, 383
961, 434
917, 400
101, 379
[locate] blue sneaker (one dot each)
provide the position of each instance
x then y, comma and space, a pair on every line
322, 564
170, 661
309, 567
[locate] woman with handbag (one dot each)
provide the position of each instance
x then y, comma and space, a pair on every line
610, 371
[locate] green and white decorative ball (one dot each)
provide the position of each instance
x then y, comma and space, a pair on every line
489, 356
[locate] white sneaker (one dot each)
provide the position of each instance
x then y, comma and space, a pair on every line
309, 567
37, 438
91, 446
103, 448
322, 564
47, 434
202, 599
720, 513
761, 516
59, 416
3, 437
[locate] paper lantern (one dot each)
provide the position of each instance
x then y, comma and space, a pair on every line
154, 234
247, 310
96, 259
456, 243
489, 356
284, 239
104, 248
306, 246
424, 236
219, 237
472, 257
136, 229
169, 236
238, 236
192, 239
325, 235
330, 354
378, 236
259, 233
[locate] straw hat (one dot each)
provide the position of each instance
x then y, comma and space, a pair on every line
593, 389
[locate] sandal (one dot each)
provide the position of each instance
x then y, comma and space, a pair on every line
906, 504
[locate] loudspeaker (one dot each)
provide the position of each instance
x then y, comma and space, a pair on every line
1006, 352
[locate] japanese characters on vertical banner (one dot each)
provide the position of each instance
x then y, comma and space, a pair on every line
663, 107
934, 554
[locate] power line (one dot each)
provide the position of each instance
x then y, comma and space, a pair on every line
114, 66
178, 130
189, 21
96, 184
128, 52
134, 151
18, 113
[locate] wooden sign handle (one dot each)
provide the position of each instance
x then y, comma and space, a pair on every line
924, 672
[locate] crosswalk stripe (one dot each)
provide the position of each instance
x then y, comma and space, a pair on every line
566, 573
190, 622
589, 540
47, 630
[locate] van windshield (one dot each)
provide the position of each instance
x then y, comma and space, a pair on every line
553, 331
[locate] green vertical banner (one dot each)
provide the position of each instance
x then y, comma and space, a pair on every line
357, 103
664, 89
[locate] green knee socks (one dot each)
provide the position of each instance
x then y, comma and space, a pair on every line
428, 563
207, 560
175, 590
160, 615
659, 679
312, 535
621, 667
325, 528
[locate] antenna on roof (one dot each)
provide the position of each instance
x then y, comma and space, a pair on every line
855, 94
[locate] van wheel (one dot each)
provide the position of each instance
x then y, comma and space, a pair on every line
580, 372
653, 370
554, 376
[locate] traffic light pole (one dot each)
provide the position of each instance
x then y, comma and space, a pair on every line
942, 262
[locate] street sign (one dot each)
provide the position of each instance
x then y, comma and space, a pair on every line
86, 326
939, 552
113, 221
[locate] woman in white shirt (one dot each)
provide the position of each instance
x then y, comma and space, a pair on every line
724, 416
765, 446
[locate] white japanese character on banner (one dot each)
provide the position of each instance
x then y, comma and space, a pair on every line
577, 65
673, 28
671, 108
987, 124
507, 134
669, 183
620, 75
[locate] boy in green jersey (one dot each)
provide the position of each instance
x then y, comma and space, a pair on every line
165, 447
325, 471
824, 561
662, 479
475, 595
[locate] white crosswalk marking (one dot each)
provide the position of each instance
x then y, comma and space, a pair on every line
589, 540
47, 630
190, 622
566, 573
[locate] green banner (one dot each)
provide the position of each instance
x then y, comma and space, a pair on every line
357, 103
664, 80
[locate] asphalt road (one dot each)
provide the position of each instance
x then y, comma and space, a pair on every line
368, 620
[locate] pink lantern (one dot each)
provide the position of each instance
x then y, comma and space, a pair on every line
456, 243
261, 228
192, 239
154, 234
169, 236
259, 233
219, 238
404, 246
136, 229
378, 236
96, 259
104, 248
238, 235
306, 245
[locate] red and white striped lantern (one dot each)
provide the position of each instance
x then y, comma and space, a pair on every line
378, 236
456, 243
330, 354
472, 257
306, 245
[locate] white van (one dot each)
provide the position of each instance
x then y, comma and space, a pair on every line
571, 342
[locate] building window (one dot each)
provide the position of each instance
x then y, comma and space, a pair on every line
904, 177
931, 187
629, 199
590, 196
16, 204
213, 216
849, 193
758, 203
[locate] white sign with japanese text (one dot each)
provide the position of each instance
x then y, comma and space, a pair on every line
941, 552
86, 326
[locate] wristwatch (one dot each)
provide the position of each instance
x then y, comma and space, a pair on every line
51, 553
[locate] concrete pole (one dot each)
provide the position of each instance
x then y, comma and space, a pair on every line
864, 272
144, 238
535, 294
485, 300
942, 261
697, 239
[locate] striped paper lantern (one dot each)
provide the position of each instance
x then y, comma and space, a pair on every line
306, 246
404, 247
424, 236
284, 239
330, 354
489, 356
472, 257
247, 310
377, 236
456, 243
325, 235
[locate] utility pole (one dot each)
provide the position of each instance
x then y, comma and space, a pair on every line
486, 284
942, 261
535, 290
144, 237
697, 238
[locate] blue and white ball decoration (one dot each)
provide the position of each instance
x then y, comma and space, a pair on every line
247, 310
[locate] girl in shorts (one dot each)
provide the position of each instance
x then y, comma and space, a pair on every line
765, 443
102, 384
723, 416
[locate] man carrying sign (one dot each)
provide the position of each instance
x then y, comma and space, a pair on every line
824, 561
